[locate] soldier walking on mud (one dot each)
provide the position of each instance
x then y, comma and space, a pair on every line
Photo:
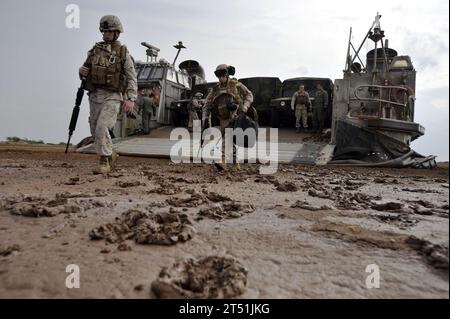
110, 82
194, 107
320, 105
225, 100
146, 104
300, 103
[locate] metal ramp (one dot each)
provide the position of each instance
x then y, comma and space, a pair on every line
188, 150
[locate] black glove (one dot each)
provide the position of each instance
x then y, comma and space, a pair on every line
232, 106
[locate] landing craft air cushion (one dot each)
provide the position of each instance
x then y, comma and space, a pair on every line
370, 121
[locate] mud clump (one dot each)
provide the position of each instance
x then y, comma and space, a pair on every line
352, 184
389, 206
124, 247
436, 255
74, 181
87, 204
209, 277
355, 201
379, 180
194, 200
165, 228
287, 187
40, 207
319, 194
225, 211
267, 179
167, 189
400, 220
97, 193
423, 207
307, 206
421, 190
214, 197
11, 250
126, 184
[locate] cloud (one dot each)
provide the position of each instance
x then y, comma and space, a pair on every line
301, 70
440, 104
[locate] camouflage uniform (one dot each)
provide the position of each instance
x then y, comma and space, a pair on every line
300, 103
194, 107
220, 95
216, 105
105, 101
320, 104
148, 109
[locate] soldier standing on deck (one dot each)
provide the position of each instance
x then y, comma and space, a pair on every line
320, 105
194, 107
300, 103
146, 104
111, 82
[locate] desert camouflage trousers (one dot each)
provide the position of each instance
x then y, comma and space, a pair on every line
301, 114
193, 116
104, 107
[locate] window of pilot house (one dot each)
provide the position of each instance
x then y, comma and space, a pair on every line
158, 73
400, 63
144, 73
184, 79
171, 75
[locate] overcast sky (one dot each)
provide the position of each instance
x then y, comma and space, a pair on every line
40, 56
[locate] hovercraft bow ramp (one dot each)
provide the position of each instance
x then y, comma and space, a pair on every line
293, 148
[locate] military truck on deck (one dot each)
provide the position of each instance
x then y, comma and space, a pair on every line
264, 89
281, 113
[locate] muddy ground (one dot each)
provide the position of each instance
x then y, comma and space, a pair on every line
305, 232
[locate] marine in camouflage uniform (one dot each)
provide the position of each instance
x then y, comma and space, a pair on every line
225, 100
110, 81
300, 103
320, 105
195, 106
227, 92
146, 104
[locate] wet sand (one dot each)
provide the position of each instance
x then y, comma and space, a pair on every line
304, 232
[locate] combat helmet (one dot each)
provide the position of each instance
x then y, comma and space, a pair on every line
221, 70
110, 23
198, 94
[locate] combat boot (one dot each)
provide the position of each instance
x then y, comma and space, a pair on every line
113, 159
103, 166
220, 166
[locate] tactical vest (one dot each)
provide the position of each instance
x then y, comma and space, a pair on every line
302, 99
222, 95
107, 67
